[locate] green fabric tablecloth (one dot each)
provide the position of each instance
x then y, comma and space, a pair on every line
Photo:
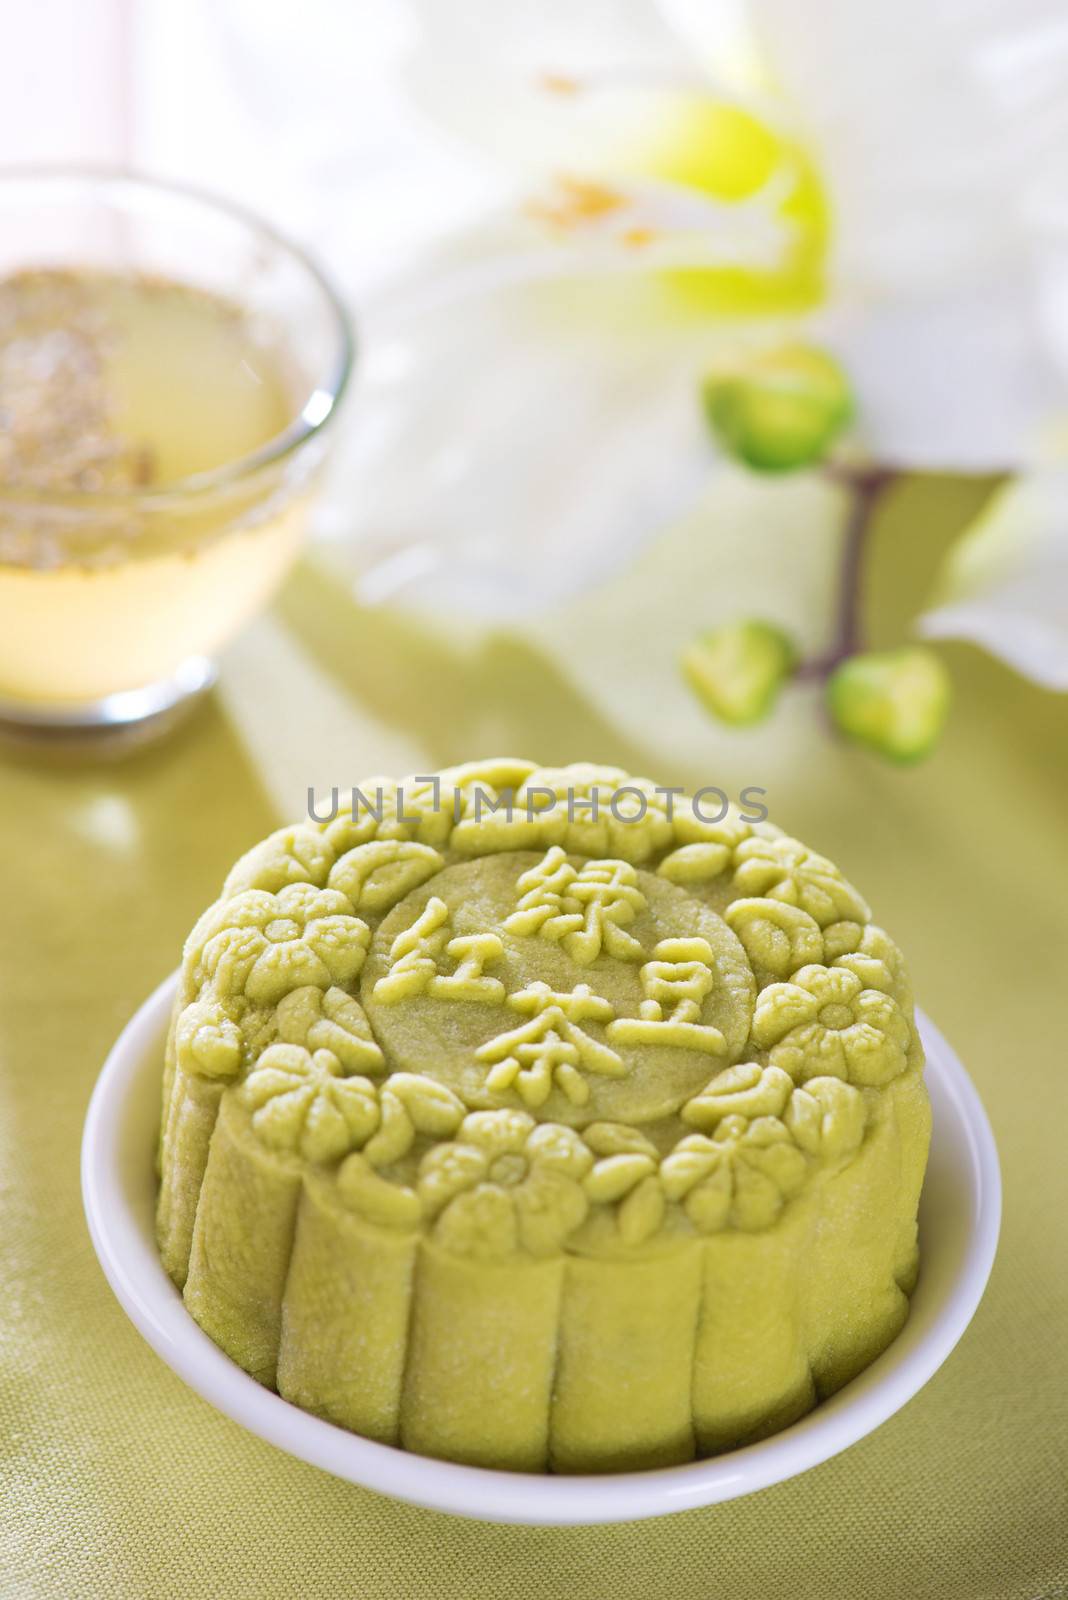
118, 1481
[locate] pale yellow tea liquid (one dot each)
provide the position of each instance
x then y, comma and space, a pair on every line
116, 565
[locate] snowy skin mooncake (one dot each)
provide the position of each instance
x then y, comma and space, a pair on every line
532, 1118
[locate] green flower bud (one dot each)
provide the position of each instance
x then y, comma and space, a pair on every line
895, 701
781, 410
738, 670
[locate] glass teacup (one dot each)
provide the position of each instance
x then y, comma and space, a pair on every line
169, 370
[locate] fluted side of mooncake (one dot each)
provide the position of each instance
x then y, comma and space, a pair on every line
565, 1135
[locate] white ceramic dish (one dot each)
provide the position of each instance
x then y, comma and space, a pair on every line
959, 1218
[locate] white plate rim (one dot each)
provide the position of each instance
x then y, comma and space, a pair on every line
125, 1246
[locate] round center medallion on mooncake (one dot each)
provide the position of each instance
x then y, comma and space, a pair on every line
580, 990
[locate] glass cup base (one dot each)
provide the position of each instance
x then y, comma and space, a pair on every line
129, 717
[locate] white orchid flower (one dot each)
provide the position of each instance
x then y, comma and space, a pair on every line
659, 203
618, 193
534, 381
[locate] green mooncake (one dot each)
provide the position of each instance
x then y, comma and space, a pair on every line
543, 1119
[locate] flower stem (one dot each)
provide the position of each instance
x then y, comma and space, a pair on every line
865, 486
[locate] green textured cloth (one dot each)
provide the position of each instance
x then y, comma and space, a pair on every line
118, 1481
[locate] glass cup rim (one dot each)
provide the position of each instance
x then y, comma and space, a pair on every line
310, 421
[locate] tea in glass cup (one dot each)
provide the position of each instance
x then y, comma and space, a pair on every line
168, 371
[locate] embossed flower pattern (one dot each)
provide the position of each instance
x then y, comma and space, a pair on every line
778, 938
746, 1089
376, 875
265, 945
826, 1118
824, 1023
215, 1036
506, 1182
587, 810
330, 1019
302, 1103
601, 811
208, 1042
741, 1177
871, 953
704, 850
782, 868
296, 854
625, 1176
